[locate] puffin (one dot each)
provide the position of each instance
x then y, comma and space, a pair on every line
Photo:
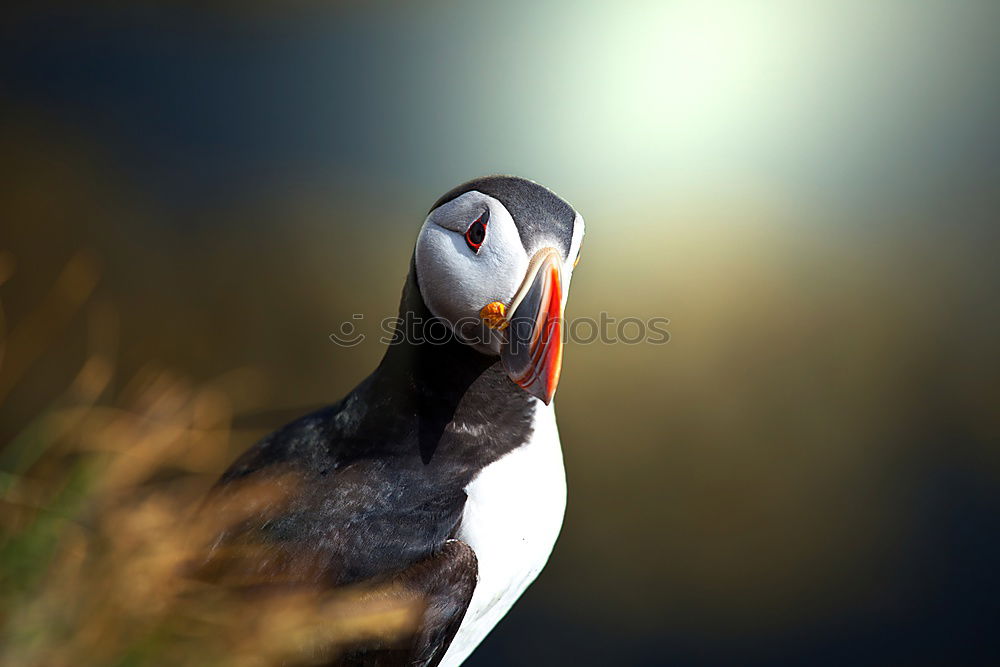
443, 468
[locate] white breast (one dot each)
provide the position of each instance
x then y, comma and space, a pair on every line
511, 520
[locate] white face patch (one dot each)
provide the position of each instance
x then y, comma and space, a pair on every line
579, 229
455, 281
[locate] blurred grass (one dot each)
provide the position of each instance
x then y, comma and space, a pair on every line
98, 522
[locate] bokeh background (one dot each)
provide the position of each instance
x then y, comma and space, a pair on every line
195, 195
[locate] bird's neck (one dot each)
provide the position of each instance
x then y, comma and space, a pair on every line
440, 388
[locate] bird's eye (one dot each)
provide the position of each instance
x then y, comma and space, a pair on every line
476, 233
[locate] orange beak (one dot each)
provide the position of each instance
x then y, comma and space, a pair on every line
532, 349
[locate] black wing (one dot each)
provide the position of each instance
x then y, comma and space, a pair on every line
445, 582
311, 513
298, 510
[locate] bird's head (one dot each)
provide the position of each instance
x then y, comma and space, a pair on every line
494, 260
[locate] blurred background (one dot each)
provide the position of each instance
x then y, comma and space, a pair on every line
195, 195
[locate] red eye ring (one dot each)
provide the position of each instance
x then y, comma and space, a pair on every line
476, 233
